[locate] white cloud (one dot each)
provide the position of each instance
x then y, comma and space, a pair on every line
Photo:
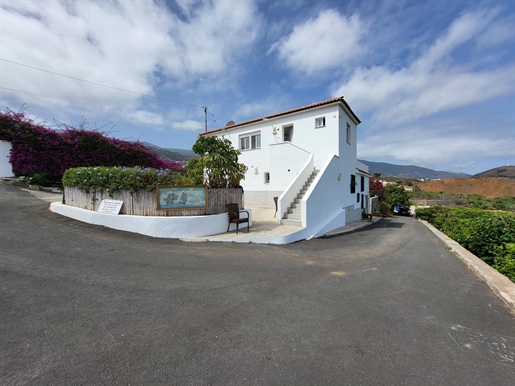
433, 151
259, 108
430, 84
189, 125
128, 45
327, 42
145, 117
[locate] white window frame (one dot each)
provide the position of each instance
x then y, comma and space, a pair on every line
319, 122
250, 141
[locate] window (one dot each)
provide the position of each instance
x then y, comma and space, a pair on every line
320, 122
352, 183
357, 197
287, 133
362, 183
250, 141
267, 177
348, 133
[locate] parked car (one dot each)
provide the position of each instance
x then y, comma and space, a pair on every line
402, 210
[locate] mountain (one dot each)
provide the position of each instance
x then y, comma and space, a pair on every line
170, 154
411, 171
500, 172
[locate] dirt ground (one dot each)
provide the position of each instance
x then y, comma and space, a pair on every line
487, 187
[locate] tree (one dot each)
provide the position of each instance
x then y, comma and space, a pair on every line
395, 195
217, 165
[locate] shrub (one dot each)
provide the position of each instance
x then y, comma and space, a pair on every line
376, 188
112, 179
39, 178
395, 195
481, 232
477, 201
37, 149
504, 260
384, 208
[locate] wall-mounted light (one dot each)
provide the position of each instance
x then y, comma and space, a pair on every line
274, 130
339, 175
256, 171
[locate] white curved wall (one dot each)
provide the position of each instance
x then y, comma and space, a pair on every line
155, 226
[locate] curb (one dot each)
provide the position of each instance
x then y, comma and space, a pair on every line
503, 287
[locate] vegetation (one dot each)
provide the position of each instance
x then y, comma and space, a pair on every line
489, 235
388, 195
470, 201
217, 165
395, 194
42, 152
417, 193
376, 188
114, 178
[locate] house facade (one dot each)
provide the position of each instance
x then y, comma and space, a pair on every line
306, 157
6, 169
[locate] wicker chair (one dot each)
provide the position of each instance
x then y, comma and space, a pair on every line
234, 217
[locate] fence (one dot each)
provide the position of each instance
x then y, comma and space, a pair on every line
143, 203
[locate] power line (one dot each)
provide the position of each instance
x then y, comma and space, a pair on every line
49, 97
98, 84
69, 101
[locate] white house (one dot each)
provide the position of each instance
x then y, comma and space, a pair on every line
6, 169
307, 158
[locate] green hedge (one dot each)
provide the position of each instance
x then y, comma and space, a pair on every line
490, 235
114, 178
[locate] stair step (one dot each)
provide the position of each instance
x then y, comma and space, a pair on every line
291, 222
294, 211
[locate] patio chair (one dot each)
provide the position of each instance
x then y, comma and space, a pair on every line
234, 217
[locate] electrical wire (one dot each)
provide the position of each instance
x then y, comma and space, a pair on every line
69, 101
98, 84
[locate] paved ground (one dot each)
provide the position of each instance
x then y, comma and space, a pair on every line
385, 305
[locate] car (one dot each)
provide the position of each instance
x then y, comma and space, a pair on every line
401, 210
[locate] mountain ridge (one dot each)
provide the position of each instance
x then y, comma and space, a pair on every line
410, 171
384, 168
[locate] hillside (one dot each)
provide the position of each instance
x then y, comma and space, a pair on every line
171, 154
411, 171
487, 187
500, 172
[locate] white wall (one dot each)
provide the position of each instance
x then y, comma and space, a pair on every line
6, 169
324, 201
155, 226
281, 159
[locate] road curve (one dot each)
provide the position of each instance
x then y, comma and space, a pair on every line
389, 305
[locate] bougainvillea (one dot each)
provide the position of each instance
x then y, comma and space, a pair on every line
376, 188
37, 149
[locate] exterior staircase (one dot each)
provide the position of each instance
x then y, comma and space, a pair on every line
293, 213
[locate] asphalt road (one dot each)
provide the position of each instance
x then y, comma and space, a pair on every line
387, 305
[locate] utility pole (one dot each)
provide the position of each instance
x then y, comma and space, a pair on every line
205, 117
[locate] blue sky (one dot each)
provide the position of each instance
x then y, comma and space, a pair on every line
432, 81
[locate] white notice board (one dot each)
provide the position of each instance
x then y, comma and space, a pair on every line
110, 206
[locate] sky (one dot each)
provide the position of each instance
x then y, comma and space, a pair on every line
433, 82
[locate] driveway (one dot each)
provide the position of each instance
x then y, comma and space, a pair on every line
387, 305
